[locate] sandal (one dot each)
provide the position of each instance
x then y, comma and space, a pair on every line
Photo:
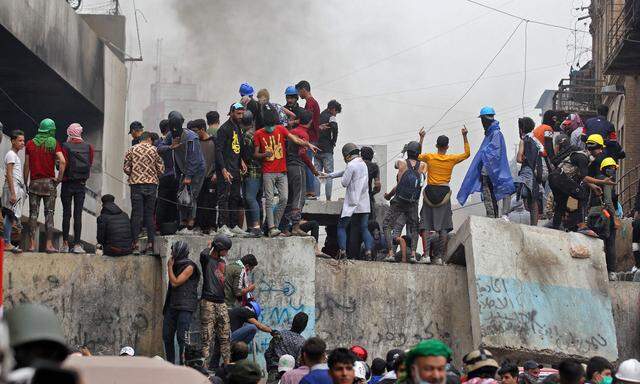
13, 249
52, 250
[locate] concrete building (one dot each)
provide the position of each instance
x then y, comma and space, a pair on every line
167, 97
55, 64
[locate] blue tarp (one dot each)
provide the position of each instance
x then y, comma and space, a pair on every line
493, 155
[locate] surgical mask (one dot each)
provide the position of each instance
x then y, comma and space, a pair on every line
610, 172
418, 380
270, 129
606, 380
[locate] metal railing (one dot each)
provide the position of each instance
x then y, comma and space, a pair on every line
578, 95
628, 188
627, 20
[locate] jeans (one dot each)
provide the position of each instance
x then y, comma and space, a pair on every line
8, 225
295, 201
252, 187
167, 208
143, 204
207, 200
273, 182
72, 190
360, 219
311, 179
229, 200
244, 333
175, 321
323, 162
190, 212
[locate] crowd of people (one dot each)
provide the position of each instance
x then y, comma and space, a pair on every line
33, 349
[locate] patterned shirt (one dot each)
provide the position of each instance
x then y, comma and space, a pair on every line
142, 164
289, 343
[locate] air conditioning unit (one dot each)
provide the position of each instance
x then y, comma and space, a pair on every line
613, 89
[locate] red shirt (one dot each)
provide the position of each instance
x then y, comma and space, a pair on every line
276, 143
314, 130
42, 163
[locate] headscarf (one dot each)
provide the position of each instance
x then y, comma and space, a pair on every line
74, 132
180, 252
46, 135
572, 123
431, 347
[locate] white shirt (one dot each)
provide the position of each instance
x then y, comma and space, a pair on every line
12, 158
356, 179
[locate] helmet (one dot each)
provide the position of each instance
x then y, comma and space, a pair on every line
349, 149
414, 147
629, 370
175, 120
360, 352
291, 91
609, 161
487, 111
595, 139
246, 89
221, 243
477, 359
33, 322
256, 308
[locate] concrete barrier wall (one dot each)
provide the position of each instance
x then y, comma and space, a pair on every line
625, 300
284, 278
383, 306
102, 302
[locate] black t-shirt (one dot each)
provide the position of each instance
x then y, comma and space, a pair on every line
374, 172
594, 167
240, 315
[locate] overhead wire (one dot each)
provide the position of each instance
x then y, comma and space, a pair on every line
480, 75
524, 76
17, 106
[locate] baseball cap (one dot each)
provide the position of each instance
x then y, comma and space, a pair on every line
531, 364
127, 351
286, 363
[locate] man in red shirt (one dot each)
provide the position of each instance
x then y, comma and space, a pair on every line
41, 154
311, 105
271, 146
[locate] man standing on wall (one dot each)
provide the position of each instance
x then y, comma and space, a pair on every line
166, 211
41, 154
311, 105
207, 199
79, 157
328, 137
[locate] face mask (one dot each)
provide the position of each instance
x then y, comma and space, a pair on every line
270, 129
606, 380
611, 172
418, 380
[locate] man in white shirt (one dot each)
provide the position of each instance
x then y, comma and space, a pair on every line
356, 206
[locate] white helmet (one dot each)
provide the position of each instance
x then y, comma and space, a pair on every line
629, 371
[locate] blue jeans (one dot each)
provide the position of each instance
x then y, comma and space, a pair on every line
245, 333
8, 226
252, 186
360, 219
323, 161
311, 179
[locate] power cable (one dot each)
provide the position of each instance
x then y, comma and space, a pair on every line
479, 76
17, 106
525, 19
524, 77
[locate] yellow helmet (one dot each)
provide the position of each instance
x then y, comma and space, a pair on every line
608, 162
595, 139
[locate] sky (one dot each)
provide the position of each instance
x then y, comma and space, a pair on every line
394, 66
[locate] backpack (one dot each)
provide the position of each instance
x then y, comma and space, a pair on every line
410, 184
79, 162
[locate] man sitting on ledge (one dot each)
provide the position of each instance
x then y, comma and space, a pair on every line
114, 229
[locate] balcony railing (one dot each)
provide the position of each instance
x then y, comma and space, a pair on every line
578, 95
623, 40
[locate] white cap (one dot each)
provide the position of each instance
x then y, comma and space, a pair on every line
360, 370
629, 370
286, 363
127, 351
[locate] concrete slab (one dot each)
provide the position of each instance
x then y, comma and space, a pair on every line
386, 305
625, 299
102, 302
537, 291
284, 277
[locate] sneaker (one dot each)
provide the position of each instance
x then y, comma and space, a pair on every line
342, 254
254, 232
238, 231
311, 197
424, 260
136, 251
413, 260
634, 269
224, 230
587, 232
613, 276
185, 231
438, 261
64, 248
390, 259
77, 249
274, 232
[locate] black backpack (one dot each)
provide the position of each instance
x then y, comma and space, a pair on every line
79, 161
410, 184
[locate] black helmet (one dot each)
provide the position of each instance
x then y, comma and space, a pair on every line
413, 147
349, 149
221, 243
175, 121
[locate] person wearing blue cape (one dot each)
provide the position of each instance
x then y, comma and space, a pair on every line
489, 172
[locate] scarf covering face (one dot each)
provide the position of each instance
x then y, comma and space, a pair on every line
180, 252
46, 135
